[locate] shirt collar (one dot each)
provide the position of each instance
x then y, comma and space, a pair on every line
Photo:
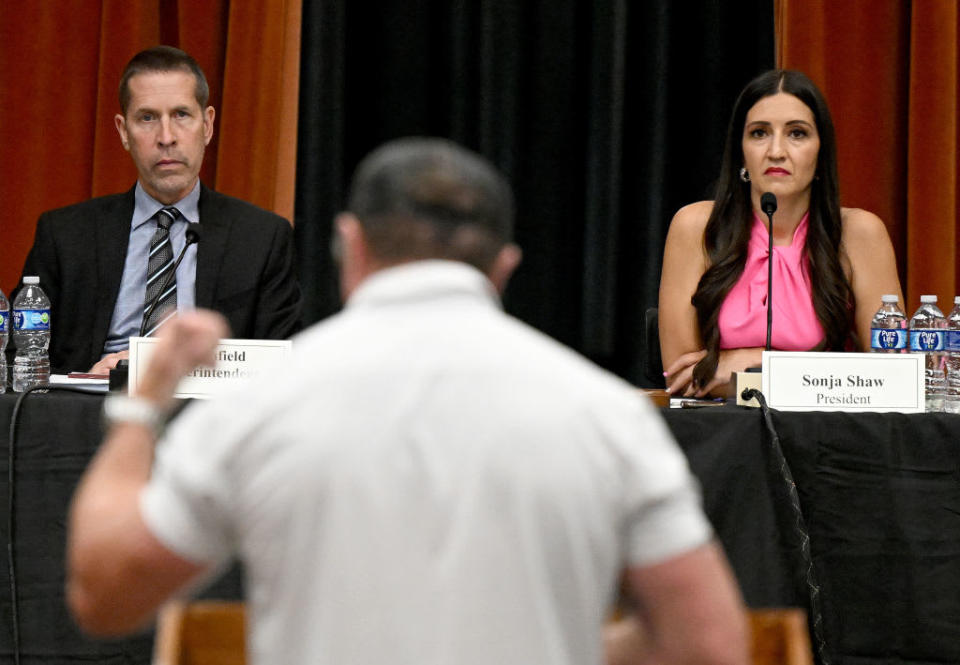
145, 206
423, 280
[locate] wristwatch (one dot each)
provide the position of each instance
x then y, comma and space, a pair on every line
125, 409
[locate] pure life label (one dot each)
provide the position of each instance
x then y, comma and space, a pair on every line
953, 340
888, 338
928, 340
31, 319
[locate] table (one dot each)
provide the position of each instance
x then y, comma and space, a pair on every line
881, 497
881, 494
58, 434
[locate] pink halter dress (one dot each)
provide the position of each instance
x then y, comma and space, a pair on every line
743, 315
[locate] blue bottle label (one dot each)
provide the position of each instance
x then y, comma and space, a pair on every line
927, 340
888, 338
953, 340
4, 323
31, 319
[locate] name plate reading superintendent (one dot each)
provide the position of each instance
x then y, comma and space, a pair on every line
807, 381
237, 360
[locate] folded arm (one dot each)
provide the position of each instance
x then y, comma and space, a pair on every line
681, 347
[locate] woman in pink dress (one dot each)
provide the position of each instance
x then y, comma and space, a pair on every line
830, 264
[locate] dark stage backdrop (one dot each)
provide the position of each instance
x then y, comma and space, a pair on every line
606, 115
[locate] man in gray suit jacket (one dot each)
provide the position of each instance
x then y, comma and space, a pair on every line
94, 258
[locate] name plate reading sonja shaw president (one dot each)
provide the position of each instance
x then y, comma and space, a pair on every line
237, 360
807, 381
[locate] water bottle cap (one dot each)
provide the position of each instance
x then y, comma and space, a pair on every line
31, 279
890, 297
928, 298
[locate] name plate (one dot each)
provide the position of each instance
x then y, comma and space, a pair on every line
807, 381
237, 360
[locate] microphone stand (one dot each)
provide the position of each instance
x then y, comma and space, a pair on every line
768, 203
120, 373
744, 382
770, 282
192, 237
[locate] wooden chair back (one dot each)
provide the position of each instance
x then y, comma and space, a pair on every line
212, 633
201, 633
780, 637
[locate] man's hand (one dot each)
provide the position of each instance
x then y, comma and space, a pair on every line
625, 642
185, 342
109, 361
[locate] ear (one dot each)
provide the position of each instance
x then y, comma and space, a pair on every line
121, 124
208, 116
503, 266
355, 260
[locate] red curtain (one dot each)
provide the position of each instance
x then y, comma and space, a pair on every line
889, 71
60, 65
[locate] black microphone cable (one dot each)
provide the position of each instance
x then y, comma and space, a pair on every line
11, 498
799, 524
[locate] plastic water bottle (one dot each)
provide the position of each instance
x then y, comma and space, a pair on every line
31, 334
951, 402
888, 330
4, 337
927, 335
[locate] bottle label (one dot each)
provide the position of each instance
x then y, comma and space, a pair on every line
31, 319
888, 338
953, 340
4, 323
927, 340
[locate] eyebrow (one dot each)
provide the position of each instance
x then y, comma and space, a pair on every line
788, 122
149, 109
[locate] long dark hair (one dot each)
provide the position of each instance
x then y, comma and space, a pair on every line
728, 230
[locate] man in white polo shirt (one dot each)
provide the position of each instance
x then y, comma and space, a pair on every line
431, 481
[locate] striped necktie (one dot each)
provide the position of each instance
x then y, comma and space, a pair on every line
159, 270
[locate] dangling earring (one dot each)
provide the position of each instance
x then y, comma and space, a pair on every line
744, 174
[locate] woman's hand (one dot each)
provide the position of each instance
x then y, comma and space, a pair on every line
679, 376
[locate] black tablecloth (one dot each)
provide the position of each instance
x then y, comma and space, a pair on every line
881, 494
58, 433
881, 498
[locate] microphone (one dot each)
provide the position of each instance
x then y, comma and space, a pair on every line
768, 203
193, 231
192, 236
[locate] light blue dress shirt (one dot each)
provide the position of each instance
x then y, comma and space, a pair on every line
128, 313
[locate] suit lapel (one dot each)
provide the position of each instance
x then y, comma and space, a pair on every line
214, 231
112, 231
